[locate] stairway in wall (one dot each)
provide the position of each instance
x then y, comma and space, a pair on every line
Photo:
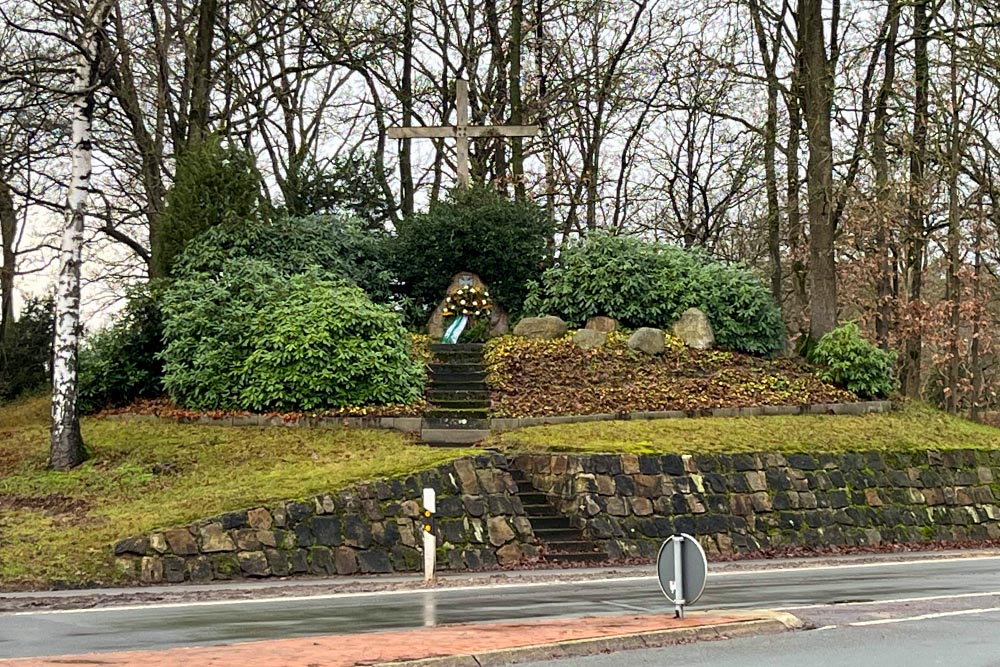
560, 541
458, 396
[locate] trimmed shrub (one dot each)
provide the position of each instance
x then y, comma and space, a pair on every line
338, 244
328, 345
251, 338
850, 361
214, 184
477, 230
26, 355
651, 284
122, 362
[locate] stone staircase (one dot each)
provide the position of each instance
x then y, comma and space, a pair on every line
560, 541
458, 396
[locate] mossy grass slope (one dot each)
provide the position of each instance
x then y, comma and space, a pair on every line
56, 528
913, 427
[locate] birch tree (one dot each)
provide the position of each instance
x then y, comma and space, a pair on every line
66, 447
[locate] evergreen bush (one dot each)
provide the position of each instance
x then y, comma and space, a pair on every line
848, 360
251, 338
213, 184
651, 284
504, 242
337, 244
122, 362
26, 355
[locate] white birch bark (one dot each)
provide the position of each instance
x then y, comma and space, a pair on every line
66, 447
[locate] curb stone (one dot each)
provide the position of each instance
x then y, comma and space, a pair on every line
774, 622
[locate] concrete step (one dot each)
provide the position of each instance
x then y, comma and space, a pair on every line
560, 522
538, 511
474, 386
446, 370
535, 498
587, 557
452, 436
480, 423
458, 394
458, 378
450, 405
458, 413
571, 547
555, 534
457, 347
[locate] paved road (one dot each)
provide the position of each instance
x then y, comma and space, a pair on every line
849, 588
969, 640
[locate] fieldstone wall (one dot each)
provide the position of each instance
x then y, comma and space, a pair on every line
371, 527
742, 502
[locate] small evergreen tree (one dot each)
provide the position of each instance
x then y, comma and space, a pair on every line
506, 243
214, 184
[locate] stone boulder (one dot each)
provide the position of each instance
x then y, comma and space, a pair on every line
648, 340
588, 339
602, 323
541, 327
694, 329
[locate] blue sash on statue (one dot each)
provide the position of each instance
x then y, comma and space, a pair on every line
456, 329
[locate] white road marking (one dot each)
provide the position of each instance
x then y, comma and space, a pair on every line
925, 617
956, 596
498, 586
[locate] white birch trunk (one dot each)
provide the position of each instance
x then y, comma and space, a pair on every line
66, 448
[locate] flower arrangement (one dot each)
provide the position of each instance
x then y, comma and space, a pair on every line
467, 300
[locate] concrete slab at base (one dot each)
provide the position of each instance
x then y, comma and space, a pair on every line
453, 436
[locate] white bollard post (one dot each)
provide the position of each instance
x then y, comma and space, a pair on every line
430, 540
679, 576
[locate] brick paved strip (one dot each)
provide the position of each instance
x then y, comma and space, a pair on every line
473, 645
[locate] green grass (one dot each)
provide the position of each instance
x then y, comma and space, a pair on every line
915, 427
57, 527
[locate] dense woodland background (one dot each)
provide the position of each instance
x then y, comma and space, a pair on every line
847, 150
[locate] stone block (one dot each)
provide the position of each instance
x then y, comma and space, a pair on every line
509, 554
588, 339
641, 506
357, 532
214, 539
541, 328
648, 340
200, 569
602, 324
321, 561
254, 564
277, 562
260, 519
499, 530
345, 561
246, 540
151, 570
158, 543
374, 562
756, 480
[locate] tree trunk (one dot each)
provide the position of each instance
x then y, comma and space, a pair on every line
796, 232
405, 158
975, 358
201, 76
953, 291
883, 286
8, 225
66, 447
916, 237
770, 152
516, 115
817, 88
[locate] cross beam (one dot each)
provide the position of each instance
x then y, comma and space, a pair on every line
462, 131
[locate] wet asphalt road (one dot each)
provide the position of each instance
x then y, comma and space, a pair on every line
966, 641
822, 596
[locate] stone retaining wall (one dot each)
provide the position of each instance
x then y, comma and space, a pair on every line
372, 527
744, 502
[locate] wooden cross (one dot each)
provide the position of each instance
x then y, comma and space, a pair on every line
462, 131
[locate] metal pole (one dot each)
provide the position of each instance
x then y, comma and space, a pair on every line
679, 576
430, 540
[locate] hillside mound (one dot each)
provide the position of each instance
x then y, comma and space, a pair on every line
541, 378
